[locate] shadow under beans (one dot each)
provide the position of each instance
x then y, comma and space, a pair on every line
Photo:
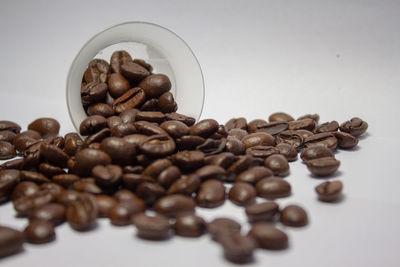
335, 175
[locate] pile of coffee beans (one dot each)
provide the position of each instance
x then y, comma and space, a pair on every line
138, 154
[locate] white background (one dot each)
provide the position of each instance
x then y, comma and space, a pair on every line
336, 58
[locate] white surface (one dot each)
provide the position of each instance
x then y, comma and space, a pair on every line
336, 58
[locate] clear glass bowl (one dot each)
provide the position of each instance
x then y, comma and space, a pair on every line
162, 48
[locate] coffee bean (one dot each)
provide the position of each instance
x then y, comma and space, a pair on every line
7, 136
53, 213
11, 241
272, 128
157, 146
262, 212
133, 72
93, 93
121, 151
132, 180
107, 176
258, 139
304, 133
150, 116
315, 152
81, 214
329, 191
117, 85
326, 139
166, 103
223, 160
253, 175
92, 125
148, 128
272, 188
113, 121
278, 164
125, 194
223, 227
97, 71
237, 248
204, 128
321, 167
189, 121
73, 144
174, 205
143, 63
355, 127
156, 227
149, 192
294, 215
87, 158
332, 126
24, 189
240, 165
54, 155
190, 225
132, 169
236, 123
211, 172
50, 170
39, 232
238, 133
212, 146
67, 196
315, 117
86, 187
252, 126
305, 124
121, 214
261, 152
345, 140
280, 116
168, 176
186, 185
268, 236
189, 142
130, 99
155, 85
9, 179
234, 145
292, 138
33, 176
104, 205
10, 126
25, 205
175, 129
288, 151
242, 194
97, 137
118, 58
16, 164
65, 180
100, 109
150, 105
189, 160
129, 115
54, 188
211, 194
45, 126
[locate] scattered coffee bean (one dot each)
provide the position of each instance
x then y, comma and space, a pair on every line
262, 212
278, 164
315, 152
11, 241
273, 187
82, 212
53, 213
211, 194
355, 127
155, 227
321, 167
190, 225
237, 248
280, 116
294, 215
9, 179
242, 194
45, 126
268, 236
329, 191
223, 226
174, 205
7, 150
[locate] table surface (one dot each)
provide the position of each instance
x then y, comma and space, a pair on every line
339, 59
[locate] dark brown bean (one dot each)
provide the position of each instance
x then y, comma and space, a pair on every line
258, 139
175, 129
82, 213
186, 185
315, 152
189, 142
174, 205
280, 116
67, 196
155, 85
211, 172
143, 63
50, 170
204, 128
39, 232
131, 99
121, 151
273, 187
97, 71
329, 191
100, 109
93, 92
166, 103
189, 121
272, 128
104, 205
236, 123
9, 179
223, 160
149, 192
234, 145
261, 152
16, 164
223, 226
190, 225
119, 58
288, 151
332, 126
25, 205
238, 133
53, 213
322, 167
11, 241
238, 248
294, 215
132, 180
24, 189
156, 227
129, 116
290, 137
253, 175
33, 176
54, 155
326, 139
133, 72
268, 236
107, 176
45, 126
92, 125
262, 212
345, 140
10, 126
65, 180
242, 194
278, 164
87, 158
158, 146
189, 160
211, 194
355, 127
305, 124
121, 214
86, 187
148, 128
117, 85
168, 176
7, 136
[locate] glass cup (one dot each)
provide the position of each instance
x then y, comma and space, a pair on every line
162, 48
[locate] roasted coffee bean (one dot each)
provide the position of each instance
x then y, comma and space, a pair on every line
238, 133
150, 116
321, 167
92, 125
45, 126
166, 103
315, 152
94, 145
87, 158
329, 191
262, 212
97, 137
258, 139
93, 92
156, 227
67, 196
53, 213
212, 146
237, 248
33, 176
107, 176
39, 232
234, 145
57, 141
121, 151
292, 138
355, 127
16, 164
143, 63
190, 225
9, 179
133, 72
132, 180
117, 85
104, 205
65, 180
109, 100
252, 126
280, 116
211, 172
10, 126
73, 144
54, 155
242, 164
121, 214
24, 189
174, 205
155, 168
158, 146
262, 152
135, 139
54, 188
148, 128
189, 160
305, 124
242, 194
223, 226
22, 142
273, 187
189, 121
118, 58
211, 194
125, 194
132, 169
129, 116
332, 126
149, 192
81, 214
50, 170
130, 99
345, 140
175, 129
155, 85
240, 123
150, 105
7, 136
315, 117
25, 205
168, 176
204, 128
189, 142
253, 175
294, 215
97, 71
11, 241
326, 139
100, 109
278, 164
223, 160
113, 121
304, 133
288, 151
268, 236
86, 187
272, 128
186, 185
